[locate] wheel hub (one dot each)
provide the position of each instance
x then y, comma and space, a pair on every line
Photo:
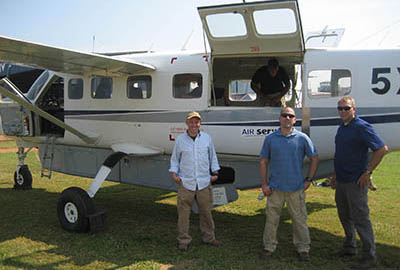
71, 212
19, 179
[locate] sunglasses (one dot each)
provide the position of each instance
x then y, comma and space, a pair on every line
284, 115
344, 108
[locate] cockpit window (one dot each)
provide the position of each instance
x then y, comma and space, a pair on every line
38, 85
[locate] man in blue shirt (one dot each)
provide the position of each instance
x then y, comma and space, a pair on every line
191, 161
351, 179
282, 156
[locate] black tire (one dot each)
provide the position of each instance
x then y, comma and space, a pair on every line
24, 178
74, 206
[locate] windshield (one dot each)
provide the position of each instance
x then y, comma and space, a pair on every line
37, 85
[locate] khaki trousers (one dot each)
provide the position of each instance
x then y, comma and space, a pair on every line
297, 209
186, 199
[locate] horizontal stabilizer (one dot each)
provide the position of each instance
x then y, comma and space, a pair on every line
66, 61
135, 149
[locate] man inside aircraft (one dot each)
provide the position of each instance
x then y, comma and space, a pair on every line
271, 83
192, 159
281, 171
351, 178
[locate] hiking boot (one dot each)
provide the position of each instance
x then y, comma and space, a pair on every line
183, 247
304, 256
265, 254
364, 264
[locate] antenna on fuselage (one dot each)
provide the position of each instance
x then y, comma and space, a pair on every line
187, 40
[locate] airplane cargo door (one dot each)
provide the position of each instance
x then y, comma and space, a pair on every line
253, 29
16, 120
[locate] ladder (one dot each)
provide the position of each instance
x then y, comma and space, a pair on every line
47, 159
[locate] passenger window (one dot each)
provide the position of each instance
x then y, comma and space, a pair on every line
187, 86
101, 87
265, 21
329, 83
139, 87
235, 21
240, 90
75, 88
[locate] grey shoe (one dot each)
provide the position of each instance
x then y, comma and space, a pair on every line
342, 254
214, 243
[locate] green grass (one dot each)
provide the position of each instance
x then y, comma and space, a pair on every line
141, 227
7, 144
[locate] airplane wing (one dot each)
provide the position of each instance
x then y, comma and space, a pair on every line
66, 61
135, 149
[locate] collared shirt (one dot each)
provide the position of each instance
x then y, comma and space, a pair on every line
192, 160
286, 155
351, 149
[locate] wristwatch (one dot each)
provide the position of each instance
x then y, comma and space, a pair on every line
307, 179
368, 172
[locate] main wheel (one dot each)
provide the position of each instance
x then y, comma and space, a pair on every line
73, 208
22, 178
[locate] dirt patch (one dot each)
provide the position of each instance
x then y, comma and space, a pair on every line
8, 150
4, 138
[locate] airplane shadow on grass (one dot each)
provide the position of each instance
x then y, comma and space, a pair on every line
142, 228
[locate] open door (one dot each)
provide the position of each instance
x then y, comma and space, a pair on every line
242, 38
16, 116
16, 120
251, 29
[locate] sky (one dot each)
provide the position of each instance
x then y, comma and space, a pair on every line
160, 25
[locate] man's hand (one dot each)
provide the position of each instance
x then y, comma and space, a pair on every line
176, 178
306, 185
332, 181
266, 189
364, 180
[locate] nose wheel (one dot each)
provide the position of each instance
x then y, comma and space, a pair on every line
22, 178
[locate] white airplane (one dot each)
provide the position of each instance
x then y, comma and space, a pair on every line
115, 117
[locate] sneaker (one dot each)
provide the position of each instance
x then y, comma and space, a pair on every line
183, 247
342, 254
214, 243
364, 264
265, 254
304, 256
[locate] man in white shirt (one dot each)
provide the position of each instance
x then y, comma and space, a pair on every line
191, 161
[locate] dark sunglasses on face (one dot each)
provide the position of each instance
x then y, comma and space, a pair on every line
343, 108
284, 115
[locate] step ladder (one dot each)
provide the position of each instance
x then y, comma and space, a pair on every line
48, 155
